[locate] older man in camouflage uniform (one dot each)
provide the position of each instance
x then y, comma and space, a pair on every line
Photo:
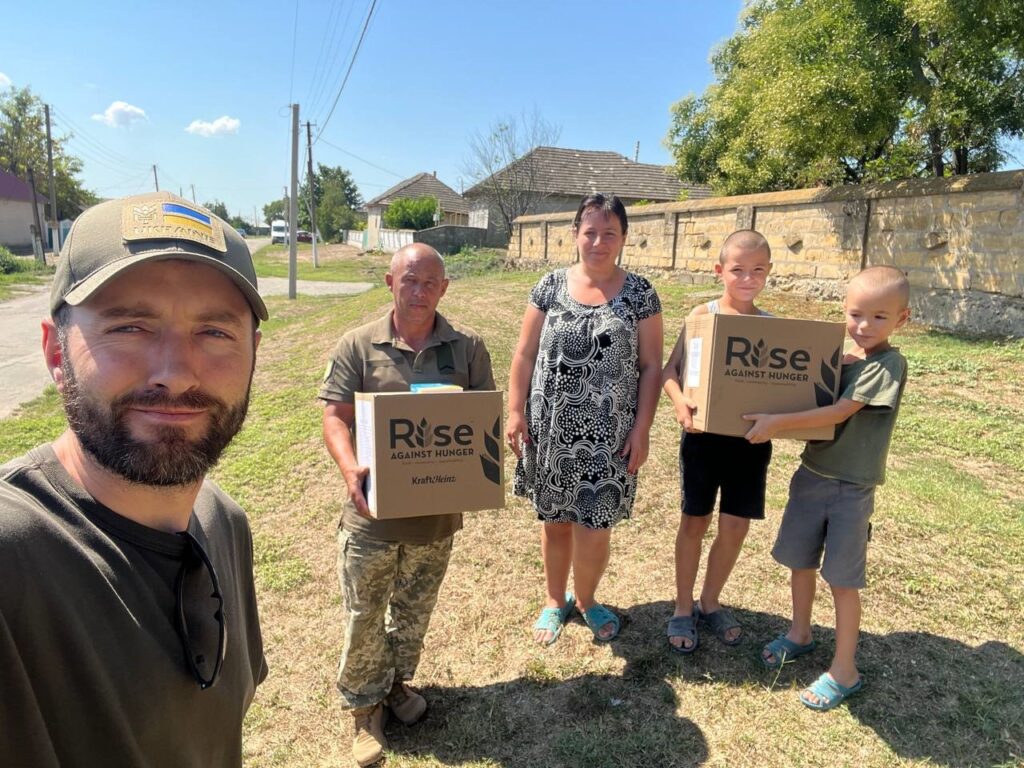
391, 570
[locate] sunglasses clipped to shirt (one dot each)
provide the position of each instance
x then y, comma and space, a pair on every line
199, 614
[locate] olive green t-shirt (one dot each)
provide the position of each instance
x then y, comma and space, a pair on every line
371, 359
858, 452
92, 670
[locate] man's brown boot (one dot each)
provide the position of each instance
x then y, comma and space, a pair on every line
369, 744
405, 704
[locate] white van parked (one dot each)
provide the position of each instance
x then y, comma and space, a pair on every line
278, 231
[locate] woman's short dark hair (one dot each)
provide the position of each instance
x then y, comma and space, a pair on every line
610, 205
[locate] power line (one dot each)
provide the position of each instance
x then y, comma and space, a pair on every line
84, 136
361, 159
362, 36
325, 60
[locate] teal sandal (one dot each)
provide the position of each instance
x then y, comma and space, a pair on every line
829, 693
783, 651
553, 619
596, 616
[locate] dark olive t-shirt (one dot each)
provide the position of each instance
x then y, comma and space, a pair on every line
371, 359
92, 670
858, 452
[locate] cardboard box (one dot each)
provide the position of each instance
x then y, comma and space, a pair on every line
431, 453
738, 364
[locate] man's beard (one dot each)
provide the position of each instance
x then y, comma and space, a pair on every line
170, 458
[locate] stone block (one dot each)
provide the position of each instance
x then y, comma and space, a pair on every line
834, 272
793, 269
989, 244
992, 282
1012, 221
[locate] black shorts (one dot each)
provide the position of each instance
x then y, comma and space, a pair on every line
708, 462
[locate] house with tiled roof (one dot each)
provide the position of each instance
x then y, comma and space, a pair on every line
16, 215
454, 208
557, 179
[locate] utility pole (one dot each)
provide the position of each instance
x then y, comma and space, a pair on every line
193, 192
37, 242
312, 200
53, 188
636, 153
293, 208
156, 182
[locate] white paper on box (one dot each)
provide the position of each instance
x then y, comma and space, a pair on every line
693, 363
365, 452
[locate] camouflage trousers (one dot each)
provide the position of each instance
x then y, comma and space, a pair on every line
389, 590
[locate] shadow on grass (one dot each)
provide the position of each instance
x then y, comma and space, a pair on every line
928, 697
590, 721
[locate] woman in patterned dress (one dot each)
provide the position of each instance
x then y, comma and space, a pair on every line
583, 390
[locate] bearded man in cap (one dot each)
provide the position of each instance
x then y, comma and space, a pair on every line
129, 633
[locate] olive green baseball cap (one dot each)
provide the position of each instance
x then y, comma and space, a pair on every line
115, 235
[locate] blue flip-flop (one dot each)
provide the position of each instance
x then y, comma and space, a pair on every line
784, 650
596, 616
553, 619
830, 694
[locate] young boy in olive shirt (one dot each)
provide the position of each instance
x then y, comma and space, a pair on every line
831, 496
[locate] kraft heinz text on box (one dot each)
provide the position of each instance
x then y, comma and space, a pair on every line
737, 364
430, 453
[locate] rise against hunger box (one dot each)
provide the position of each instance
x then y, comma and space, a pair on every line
430, 453
737, 364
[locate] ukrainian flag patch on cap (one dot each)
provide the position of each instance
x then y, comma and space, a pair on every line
171, 221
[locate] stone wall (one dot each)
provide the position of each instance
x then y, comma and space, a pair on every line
450, 238
960, 241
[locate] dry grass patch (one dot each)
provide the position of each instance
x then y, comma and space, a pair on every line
943, 645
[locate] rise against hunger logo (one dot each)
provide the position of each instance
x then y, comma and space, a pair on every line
746, 359
422, 440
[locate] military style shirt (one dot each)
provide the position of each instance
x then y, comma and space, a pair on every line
371, 359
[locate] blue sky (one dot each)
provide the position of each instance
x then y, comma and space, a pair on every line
202, 89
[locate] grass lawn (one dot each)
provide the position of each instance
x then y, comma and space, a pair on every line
30, 273
943, 640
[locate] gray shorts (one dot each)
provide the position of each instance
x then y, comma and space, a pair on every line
829, 515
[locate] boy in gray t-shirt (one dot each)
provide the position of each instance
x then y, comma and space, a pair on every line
831, 496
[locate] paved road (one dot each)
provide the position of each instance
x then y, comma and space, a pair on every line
23, 375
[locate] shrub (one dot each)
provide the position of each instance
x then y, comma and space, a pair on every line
410, 213
9, 263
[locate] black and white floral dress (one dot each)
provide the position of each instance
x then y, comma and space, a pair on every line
582, 403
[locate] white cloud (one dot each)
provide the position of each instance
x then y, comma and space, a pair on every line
219, 127
120, 114
5, 81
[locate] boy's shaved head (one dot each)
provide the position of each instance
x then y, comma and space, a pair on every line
883, 279
744, 240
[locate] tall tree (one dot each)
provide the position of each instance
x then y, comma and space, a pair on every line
502, 164
276, 209
23, 146
336, 197
811, 92
217, 208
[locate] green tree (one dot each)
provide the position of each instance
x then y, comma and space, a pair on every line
23, 146
812, 92
217, 208
337, 201
410, 213
278, 209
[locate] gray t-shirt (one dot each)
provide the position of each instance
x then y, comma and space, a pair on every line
861, 445
92, 671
